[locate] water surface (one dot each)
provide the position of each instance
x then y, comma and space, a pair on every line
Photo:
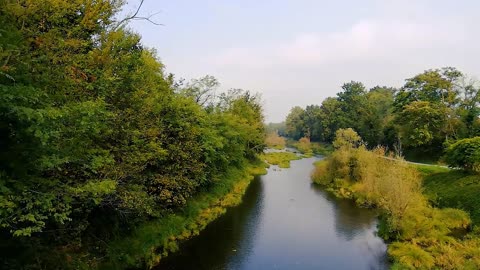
285, 222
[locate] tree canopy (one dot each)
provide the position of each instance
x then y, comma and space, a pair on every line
91, 125
433, 108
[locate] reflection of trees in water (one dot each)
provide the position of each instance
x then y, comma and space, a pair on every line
350, 220
214, 247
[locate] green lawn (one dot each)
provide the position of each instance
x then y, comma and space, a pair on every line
453, 188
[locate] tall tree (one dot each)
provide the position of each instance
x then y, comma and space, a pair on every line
295, 123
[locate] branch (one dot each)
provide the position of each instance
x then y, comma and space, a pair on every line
135, 17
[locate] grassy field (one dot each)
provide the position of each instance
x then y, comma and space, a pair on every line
453, 188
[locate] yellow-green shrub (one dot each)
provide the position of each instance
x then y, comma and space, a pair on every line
274, 141
425, 235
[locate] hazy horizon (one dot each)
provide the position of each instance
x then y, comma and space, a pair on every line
297, 53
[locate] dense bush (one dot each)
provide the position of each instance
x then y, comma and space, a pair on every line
94, 134
422, 237
464, 154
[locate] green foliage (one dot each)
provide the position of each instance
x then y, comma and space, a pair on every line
411, 256
154, 240
279, 128
422, 123
275, 142
464, 154
423, 237
347, 138
295, 126
431, 110
282, 159
455, 189
94, 134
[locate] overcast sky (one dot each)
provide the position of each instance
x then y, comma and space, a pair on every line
298, 52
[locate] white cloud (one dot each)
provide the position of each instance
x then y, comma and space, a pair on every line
365, 40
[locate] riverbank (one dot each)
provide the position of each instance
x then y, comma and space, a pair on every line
454, 188
151, 241
420, 235
276, 227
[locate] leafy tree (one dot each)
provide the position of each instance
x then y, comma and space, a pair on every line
436, 86
295, 123
422, 124
465, 154
346, 138
332, 119
312, 120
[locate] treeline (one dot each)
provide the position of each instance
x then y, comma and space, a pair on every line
432, 110
95, 136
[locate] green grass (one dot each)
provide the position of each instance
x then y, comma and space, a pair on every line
282, 159
456, 189
312, 148
430, 169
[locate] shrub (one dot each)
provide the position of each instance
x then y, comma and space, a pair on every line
274, 141
464, 154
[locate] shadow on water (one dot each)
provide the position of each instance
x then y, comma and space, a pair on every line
284, 222
352, 222
217, 245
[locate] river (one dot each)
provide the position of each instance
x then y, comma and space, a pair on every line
285, 222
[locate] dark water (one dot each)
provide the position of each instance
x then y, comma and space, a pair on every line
285, 222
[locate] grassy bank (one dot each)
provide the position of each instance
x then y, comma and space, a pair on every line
154, 240
282, 159
420, 236
455, 188
308, 148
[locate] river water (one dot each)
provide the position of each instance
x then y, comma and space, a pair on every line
285, 222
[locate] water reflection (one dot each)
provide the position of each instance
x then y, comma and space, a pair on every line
219, 244
349, 219
285, 222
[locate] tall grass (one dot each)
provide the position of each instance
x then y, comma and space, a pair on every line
422, 237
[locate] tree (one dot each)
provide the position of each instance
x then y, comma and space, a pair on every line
295, 123
346, 138
352, 101
202, 90
422, 123
377, 114
464, 154
436, 86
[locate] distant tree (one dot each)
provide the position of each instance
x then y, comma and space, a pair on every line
295, 123
312, 121
435, 86
203, 90
347, 138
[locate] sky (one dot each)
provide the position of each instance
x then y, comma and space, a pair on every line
298, 52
